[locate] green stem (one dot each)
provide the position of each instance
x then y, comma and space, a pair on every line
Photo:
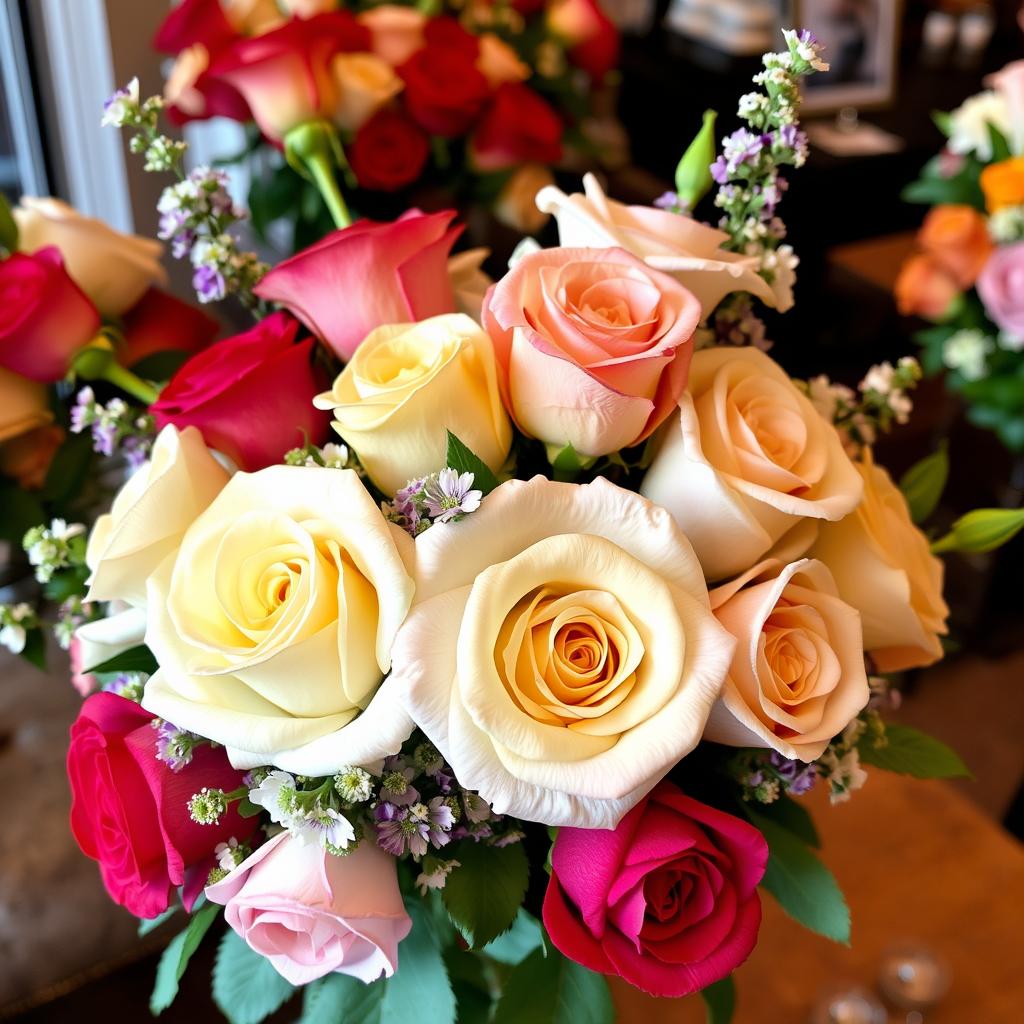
319, 166
130, 383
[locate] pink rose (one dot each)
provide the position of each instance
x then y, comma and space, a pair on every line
367, 275
1010, 83
311, 913
594, 346
667, 900
1001, 287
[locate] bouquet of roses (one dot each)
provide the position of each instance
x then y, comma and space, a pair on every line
513, 684
478, 99
968, 278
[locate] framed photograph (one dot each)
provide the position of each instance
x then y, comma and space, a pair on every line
861, 39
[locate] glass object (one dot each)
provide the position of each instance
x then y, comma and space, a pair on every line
913, 977
848, 1005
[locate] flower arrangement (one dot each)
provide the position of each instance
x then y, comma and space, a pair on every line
968, 277
517, 681
475, 98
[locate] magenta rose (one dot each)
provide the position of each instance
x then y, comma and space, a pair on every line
250, 396
367, 275
1001, 287
667, 900
129, 810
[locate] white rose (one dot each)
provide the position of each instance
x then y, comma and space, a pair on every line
969, 124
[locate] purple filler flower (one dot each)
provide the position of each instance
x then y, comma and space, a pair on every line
451, 495
209, 284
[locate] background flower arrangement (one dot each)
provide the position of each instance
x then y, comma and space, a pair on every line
518, 684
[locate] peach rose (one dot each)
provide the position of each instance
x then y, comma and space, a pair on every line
27, 457
365, 84
748, 459
516, 205
884, 567
1009, 83
470, 282
23, 405
593, 345
252, 17
925, 288
681, 246
1003, 184
797, 677
499, 62
396, 31
957, 237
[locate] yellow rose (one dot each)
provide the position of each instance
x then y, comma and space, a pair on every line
797, 677
516, 205
561, 654
747, 460
150, 515
884, 567
113, 269
23, 405
365, 84
406, 386
273, 623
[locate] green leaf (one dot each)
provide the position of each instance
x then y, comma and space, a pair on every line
518, 942
339, 999
720, 1001
461, 458
484, 894
981, 531
553, 990
420, 986
693, 173
245, 985
247, 809
922, 485
161, 366
804, 887
1000, 146
8, 226
943, 121
135, 659
474, 1004
19, 512
912, 752
792, 816
34, 651
151, 924
69, 470
567, 463
174, 961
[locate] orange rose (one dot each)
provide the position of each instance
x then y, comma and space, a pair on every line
925, 288
957, 237
1003, 184
26, 459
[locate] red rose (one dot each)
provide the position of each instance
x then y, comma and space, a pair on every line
592, 38
667, 900
46, 316
389, 152
366, 275
444, 89
129, 810
518, 127
191, 22
250, 396
447, 33
159, 322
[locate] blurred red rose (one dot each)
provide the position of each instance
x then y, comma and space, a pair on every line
250, 396
46, 318
591, 36
366, 275
517, 127
194, 95
389, 152
159, 322
129, 810
191, 22
444, 89
447, 33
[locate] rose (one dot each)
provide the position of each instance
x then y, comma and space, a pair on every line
499, 62
561, 654
1003, 184
191, 22
307, 8
396, 32
516, 205
667, 901
129, 810
150, 515
311, 913
292, 573
593, 346
470, 282
192, 94
389, 152
112, 268
748, 459
797, 677
159, 322
252, 17
883, 566
365, 84
262, 370
926, 288
27, 458
23, 405
517, 127
447, 33
592, 37
444, 90
407, 386
691, 252
47, 318
1009, 82
389, 273
969, 124
957, 237
102, 639
1001, 287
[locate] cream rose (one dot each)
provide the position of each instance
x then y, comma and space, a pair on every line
470, 281
23, 405
103, 639
366, 83
150, 515
749, 458
406, 386
884, 567
681, 246
797, 677
273, 624
113, 269
562, 654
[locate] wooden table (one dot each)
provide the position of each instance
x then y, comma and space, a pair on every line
917, 861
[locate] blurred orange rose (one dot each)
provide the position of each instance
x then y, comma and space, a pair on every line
23, 405
957, 237
26, 459
1003, 184
925, 288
